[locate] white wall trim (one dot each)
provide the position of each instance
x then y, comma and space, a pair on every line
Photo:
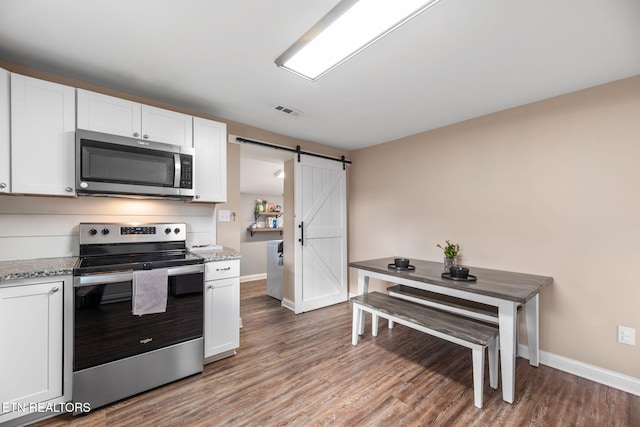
584, 370
251, 277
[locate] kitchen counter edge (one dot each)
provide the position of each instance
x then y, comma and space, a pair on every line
36, 268
218, 255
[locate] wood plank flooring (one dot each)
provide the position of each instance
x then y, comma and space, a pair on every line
301, 370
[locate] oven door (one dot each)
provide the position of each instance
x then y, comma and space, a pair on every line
105, 330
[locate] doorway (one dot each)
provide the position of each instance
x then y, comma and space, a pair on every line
259, 181
310, 204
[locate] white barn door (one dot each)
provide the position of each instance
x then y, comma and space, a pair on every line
321, 233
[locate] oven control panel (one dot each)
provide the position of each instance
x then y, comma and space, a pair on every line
138, 230
101, 233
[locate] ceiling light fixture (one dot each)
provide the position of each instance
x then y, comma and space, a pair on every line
279, 173
349, 28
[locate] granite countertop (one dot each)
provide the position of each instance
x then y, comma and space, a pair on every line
31, 268
49, 267
212, 255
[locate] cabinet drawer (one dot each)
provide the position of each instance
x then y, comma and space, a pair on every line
222, 269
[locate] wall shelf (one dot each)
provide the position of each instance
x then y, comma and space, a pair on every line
259, 214
253, 230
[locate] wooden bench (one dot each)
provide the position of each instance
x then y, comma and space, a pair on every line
461, 330
475, 310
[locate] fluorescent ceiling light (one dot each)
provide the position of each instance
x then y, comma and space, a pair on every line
350, 27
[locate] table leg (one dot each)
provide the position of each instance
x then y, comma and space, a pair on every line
507, 322
532, 310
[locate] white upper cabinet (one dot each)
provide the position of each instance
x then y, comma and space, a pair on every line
5, 133
210, 165
167, 126
107, 114
42, 137
116, 116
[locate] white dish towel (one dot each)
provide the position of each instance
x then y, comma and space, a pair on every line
150, 291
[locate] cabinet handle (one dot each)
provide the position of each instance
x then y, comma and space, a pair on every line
55, 289
197, 196
145, 136
136, 134
223, 269
68, 189
3, 185
210, 287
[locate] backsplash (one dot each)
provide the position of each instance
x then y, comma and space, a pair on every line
45, 227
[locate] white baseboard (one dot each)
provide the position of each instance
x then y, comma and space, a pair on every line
252, 277
594, 373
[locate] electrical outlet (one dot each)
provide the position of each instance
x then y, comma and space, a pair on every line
626, 335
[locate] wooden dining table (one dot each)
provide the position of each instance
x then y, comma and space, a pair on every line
505, 290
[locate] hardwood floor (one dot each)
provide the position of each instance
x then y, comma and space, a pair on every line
301, 370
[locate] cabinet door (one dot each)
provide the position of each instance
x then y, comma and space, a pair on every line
42, 137
31, 342
167, 126
5, 135
108, 114
221, 316
210, 166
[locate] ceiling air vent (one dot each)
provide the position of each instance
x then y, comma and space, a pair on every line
288, 111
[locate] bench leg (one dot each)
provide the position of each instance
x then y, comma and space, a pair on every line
390, 324
478, 375
374, 325
493, 363
355, 327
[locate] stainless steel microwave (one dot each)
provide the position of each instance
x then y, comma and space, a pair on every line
110, 164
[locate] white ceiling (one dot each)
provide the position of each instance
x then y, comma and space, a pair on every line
458, 60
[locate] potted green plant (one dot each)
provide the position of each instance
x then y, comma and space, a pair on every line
451, 251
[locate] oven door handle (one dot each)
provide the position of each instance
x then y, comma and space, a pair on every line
101, 279
185, 269
127, 276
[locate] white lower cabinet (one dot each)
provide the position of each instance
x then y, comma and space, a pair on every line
32, 347
221, 309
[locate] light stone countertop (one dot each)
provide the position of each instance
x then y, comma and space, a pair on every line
50, 267
217, 255
33, 268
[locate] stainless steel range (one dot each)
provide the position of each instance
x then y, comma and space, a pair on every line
138, 314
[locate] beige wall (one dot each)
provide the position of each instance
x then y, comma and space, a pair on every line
550, 188
228, 233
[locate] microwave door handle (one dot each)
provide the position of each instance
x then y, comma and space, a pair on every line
178, 169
